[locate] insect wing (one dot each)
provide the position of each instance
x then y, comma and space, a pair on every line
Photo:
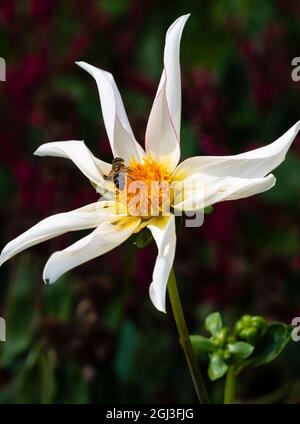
121, 180
108, 190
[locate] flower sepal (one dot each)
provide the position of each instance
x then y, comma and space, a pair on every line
143, 238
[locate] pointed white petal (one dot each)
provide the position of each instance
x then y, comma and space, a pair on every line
199, 191
89, 216
105, 238
77, 151
122, 141
253, 164
163, 231
163, 129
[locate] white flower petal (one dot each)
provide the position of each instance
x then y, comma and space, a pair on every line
89, 216
103, 167
163, 129
253, 164
163, 231
122, 140
199, 190
77, 151
103, 239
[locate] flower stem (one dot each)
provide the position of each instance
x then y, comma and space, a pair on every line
229, 391
185, 339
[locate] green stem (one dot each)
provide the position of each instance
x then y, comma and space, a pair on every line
229, 391
185, 339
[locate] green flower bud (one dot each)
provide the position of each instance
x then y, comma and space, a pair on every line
251, 328
249, 334
244, 321
260, 323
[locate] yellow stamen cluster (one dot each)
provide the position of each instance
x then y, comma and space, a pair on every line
147, 191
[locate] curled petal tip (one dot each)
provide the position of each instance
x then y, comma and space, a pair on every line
48, 276
161, 308
47, 279
81, 64
84, 65
4, 255
87, 67
183, 18
94, 71
155, 299
297, 125
37, 152
187, 15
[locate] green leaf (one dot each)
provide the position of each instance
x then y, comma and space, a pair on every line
269, 347
201, 344
143, 238
240, 349
217, 367
213, 323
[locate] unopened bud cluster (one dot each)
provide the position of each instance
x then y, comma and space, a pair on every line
250, 328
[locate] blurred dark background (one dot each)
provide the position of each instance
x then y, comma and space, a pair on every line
94, 336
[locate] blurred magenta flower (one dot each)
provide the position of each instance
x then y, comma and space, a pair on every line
221, 178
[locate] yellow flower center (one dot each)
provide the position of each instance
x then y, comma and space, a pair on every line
147, 191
